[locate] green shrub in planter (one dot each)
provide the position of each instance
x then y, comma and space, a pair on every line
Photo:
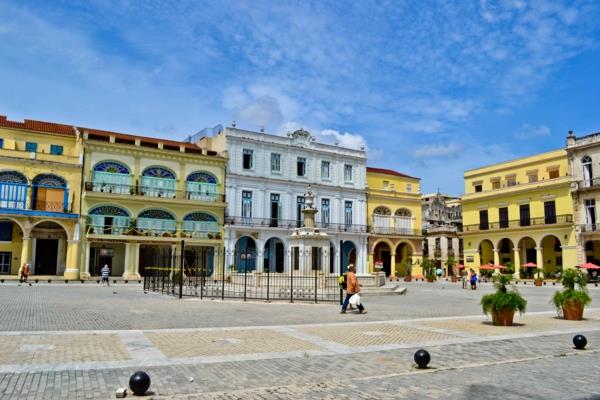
504, 302
573, 299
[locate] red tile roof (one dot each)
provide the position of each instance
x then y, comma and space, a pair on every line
39, 126
389, 172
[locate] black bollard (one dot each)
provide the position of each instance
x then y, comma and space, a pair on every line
422, 358
139, 383
579, 341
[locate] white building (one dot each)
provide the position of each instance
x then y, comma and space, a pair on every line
267, 177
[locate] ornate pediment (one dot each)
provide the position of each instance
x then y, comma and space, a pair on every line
301, 136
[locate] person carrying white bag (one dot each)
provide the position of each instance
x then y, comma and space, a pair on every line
353, 288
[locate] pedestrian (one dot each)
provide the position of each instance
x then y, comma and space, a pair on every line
464, 276
105, 271
353, 287
343, 282
473, 280
24, 272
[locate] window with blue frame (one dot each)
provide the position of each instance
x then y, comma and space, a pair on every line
56, 149
31, 147
6, 229
1, 143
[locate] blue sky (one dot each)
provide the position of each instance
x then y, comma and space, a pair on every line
430, 87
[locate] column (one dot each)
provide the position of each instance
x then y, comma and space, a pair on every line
371, 263
127, 265
136, 261
72, 267
84, 270
496, 257
517, 257
26, 252
393, 265
539, 257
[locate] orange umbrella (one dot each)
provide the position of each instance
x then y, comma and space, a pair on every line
487, 266
499, 267
588, 266
529, 265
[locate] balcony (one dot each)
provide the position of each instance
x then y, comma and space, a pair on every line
519, 186
589, 228
292, 224
391, 230
154, 228
205, 192
16, 199
520, 223
587, 184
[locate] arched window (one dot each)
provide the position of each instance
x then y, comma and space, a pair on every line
156, 221
158, 182
381, 210
49, 180
403, 221
112, 167
50, 193
586, 163
110, 220
111, 177
201, 186
13, 190
200, 224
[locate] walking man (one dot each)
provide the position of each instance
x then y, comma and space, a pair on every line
353, 287
105, 271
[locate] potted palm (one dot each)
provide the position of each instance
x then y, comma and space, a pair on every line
408, 270
573, 299
451, 263
538, 280
504, 302
429, 269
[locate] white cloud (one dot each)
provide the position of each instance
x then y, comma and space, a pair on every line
527, 131
346, 139
437, 150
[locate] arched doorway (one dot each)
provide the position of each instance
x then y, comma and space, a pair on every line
273, 255
245, 254
403, 258
50, 193
348, 255
11, 245
486, 252
382, 253
506, 252
551, 254
49, 248
527, 254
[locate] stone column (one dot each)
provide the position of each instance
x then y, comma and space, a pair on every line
72, 267
496, 257
539, 257
393, 265
517, 257
26, 253
128, 272
371, 262
84, 271
136, 261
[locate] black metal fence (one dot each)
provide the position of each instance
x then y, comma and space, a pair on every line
196, 275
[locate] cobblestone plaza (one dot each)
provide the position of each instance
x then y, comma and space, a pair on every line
54, 347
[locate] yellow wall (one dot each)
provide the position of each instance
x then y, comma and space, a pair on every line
14, 248
524, 192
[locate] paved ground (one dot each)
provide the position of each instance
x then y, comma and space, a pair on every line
83, 342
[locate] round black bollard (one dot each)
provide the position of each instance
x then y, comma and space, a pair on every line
139, 383
579, 341
422, 358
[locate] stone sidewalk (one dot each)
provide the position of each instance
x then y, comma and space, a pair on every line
283, 361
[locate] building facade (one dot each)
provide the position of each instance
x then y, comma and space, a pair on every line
584, 164
442, 223
143, 197
267, 178
394, 218
40, 186
520, 211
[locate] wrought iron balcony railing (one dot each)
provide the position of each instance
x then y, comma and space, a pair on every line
518, 223
193, 193
391, 230
152, 231
292, 223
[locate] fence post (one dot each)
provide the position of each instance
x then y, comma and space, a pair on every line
223, 278
268, 283
315, 286
292, 279
181, 260
245, 271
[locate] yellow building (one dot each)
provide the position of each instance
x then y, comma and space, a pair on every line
144, 196
40, 186
520, 211
394, 219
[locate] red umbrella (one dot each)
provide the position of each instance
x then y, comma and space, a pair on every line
499, 267
460, 266
588, 266
529, 265
487, 266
